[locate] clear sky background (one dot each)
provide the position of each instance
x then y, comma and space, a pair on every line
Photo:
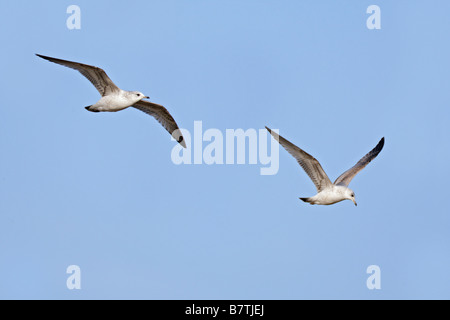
100, 190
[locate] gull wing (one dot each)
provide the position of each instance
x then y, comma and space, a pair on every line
164, 118
311, 166
95, 75
347, 176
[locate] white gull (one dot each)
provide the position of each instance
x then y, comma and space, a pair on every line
115, 99
327, 192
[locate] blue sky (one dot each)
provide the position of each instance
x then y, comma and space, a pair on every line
100, 190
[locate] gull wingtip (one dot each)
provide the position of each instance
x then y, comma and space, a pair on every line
181, 141
42, 56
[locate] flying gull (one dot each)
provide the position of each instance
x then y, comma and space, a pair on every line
115, 99
327, 192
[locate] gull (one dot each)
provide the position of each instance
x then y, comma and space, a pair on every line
327, 193
115, 99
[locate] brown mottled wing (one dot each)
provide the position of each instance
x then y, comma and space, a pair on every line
347, 176
311, 166
164, 118
95, 75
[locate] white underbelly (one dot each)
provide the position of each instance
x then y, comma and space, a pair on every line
112, 104
329, 197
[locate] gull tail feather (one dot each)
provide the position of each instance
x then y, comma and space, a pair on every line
306, 200
88, 108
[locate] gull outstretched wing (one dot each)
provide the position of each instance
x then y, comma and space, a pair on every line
311, 166
347, 176
164, 118
95, 75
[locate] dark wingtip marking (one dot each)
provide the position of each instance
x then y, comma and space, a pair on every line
270, 131
46, 58
180, 140
304, 199
381, 144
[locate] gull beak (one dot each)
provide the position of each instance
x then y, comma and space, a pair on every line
354, 201
147, 97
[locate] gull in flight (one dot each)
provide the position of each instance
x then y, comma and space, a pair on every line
327, 192
115, 99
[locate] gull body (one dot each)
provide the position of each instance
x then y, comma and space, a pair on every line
327, 193
115, 99
332, 195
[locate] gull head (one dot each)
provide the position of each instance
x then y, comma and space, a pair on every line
138, 96
350, 195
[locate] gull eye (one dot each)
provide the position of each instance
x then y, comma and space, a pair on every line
138, 94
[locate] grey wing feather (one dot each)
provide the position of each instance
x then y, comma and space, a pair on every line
348, 175
95, 75
164, 118
311, 166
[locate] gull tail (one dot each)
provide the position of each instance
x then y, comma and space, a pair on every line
308, 200
88, 108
